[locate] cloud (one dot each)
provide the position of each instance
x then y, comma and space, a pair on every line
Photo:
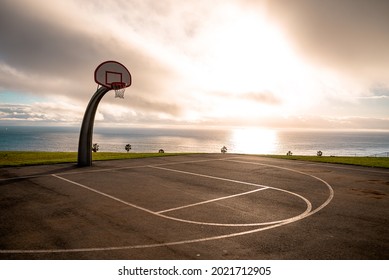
375, 97
192, 61
43, 112
43, 55
66, 112
309, 122
41, 46
260, 97
265, 97
53, 52
347, 35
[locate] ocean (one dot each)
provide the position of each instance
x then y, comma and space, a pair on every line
240, 140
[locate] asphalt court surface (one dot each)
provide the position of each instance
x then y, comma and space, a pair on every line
209, 206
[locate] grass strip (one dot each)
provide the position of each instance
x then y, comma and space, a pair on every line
19, 158
360, 161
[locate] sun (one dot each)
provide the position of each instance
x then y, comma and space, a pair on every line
245, 54
253, 141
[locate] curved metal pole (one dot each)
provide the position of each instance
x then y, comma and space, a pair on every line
86, 133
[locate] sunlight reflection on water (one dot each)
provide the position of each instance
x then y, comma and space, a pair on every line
237, 140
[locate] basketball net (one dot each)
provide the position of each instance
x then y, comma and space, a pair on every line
119, 88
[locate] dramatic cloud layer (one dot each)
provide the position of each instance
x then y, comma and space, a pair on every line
261, 63
347, 35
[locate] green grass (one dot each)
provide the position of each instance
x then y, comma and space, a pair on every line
37, 158
361, 161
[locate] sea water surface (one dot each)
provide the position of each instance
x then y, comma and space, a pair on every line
238, 140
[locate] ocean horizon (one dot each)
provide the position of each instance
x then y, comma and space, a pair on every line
237, 140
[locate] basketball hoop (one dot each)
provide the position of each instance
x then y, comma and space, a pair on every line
113, 75
119, 88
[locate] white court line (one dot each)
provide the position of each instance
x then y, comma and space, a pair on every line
356, 168
306, 212
83, 171
288, 221
86, 170
128, 167
104, 194
324, 164
145, 246
331, 196
211, 200
309, 207
209, 177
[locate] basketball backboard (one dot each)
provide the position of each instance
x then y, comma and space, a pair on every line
111, 73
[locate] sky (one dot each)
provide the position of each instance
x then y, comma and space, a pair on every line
198, 63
